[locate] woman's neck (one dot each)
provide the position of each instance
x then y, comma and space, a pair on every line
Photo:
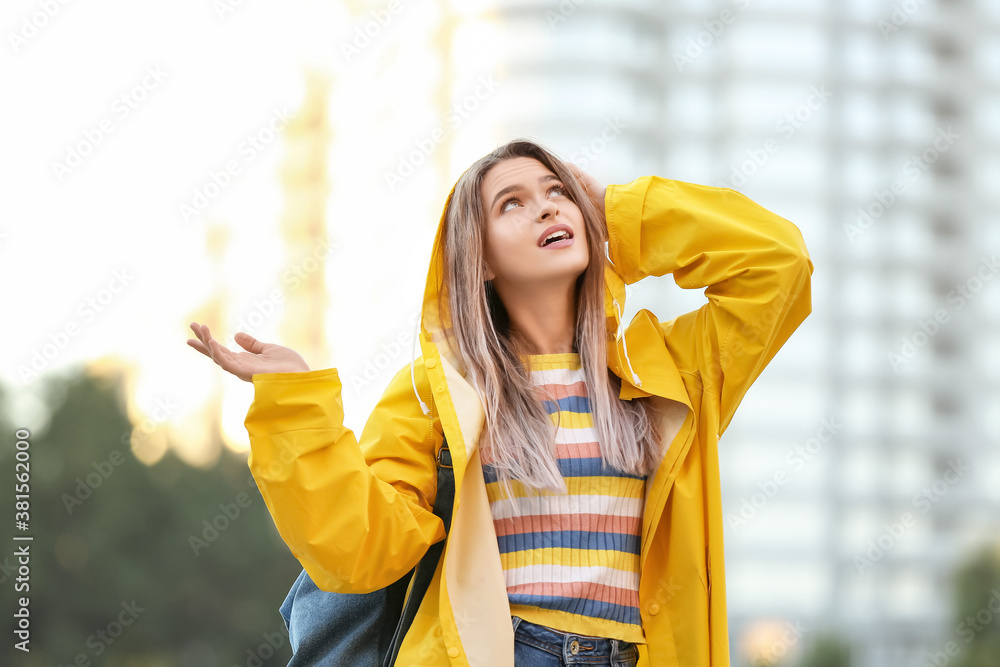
546, 319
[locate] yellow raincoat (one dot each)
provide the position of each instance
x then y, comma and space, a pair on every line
357, 512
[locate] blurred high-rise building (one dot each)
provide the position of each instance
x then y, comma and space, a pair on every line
858, 472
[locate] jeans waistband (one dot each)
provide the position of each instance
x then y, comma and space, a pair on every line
572, 648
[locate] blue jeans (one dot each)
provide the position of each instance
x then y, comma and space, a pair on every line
336, 629
539, 646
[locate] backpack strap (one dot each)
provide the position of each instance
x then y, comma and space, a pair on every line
444, 501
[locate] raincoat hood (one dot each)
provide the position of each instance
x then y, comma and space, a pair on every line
435, 324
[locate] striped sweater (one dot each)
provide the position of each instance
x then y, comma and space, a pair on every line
571, 561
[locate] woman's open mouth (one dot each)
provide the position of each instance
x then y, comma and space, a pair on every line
556, 236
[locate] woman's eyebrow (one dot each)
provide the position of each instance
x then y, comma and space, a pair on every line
518, 186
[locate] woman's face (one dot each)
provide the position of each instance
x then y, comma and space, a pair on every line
523, 200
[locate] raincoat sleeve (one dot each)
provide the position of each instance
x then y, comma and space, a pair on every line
752, 262
357, 515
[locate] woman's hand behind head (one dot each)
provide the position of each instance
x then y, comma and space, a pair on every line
594, 189
259, 357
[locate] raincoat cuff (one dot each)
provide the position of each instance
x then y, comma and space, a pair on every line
300, 376
286, 402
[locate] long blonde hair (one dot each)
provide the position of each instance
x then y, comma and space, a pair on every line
518, 436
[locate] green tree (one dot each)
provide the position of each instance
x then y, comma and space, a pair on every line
977, 601
140, 565
828, 650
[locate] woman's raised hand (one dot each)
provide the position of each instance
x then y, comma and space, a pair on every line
594, 189
258, 358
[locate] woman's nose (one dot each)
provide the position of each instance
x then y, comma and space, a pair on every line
547, 208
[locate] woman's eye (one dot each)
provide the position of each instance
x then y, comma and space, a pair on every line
503, 206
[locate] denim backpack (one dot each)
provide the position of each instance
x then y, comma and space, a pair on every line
364, 629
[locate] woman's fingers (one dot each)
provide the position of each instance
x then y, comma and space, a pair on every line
200, 343
210, 347
595, 191
580, 176
197, 344
221, 355
589, 182
206, 340
258, 358
220, 352
213, 345
229, 361
249, 343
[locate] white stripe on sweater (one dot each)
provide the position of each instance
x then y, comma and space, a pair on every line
558, 376
563, 574
566, 504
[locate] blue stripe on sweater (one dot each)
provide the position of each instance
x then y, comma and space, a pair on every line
588, 467
568, 404
592, 608
570, 539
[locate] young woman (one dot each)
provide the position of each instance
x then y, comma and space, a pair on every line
587, 523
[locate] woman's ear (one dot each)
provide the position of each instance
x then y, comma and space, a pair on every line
489, 272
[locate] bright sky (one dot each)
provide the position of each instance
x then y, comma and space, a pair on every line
117, 112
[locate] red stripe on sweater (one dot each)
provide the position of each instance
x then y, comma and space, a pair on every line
598, 523
558, 391
580, 590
